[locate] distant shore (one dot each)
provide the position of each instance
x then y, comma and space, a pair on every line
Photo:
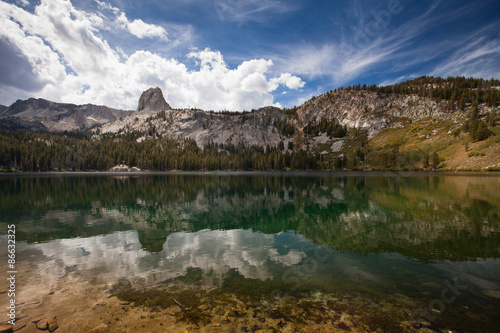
321, 173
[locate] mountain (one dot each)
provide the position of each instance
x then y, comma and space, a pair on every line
57, 116
152, 100
43, 115
361, 127
13, 124
250, 128
426, 123
368, 108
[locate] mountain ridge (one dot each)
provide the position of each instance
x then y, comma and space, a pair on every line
59, 116
425, 123
354, 107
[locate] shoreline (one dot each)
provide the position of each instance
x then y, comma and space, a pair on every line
349, 173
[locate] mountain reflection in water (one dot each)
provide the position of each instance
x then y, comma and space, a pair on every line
327, 232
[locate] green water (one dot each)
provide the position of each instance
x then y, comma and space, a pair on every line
418, 241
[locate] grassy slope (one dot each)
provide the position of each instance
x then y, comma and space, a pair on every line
435, 135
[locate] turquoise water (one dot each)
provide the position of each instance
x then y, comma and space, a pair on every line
425, 244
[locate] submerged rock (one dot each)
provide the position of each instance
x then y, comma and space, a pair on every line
173, 310
52, 324
101, 328
48, 324
492, 293
203, 307
42, 325
6, 329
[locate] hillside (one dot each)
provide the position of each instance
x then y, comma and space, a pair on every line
56, 116
351, 108
427, 123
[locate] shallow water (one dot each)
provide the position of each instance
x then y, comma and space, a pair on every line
427, 244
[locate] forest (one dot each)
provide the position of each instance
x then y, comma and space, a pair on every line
25, 151
458, 91
85, 151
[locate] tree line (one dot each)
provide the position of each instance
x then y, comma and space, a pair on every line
460, 91
25, 151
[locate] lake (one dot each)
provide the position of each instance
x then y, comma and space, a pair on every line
256, 252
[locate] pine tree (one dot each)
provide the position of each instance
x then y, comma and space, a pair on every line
426, 160
491, 119
435, 161
482, 132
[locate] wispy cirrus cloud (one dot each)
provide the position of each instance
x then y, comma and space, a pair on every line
252, 10
355, 50
378, 41
476, 56
398, 79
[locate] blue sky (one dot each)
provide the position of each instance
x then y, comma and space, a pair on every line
236, 55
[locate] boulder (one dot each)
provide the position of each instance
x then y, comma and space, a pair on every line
52, 324
42, 325
124, 168
173, 310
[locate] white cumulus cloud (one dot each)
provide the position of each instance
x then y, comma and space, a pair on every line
140, 29
69, 60
291, 81
254, 82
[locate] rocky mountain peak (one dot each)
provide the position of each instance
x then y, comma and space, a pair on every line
37, 114
152, 100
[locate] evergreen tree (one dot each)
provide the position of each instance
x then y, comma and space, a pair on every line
426, 160
482, 132
435, 161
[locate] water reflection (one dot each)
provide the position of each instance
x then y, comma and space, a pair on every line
119, 255
407, 236
426, 218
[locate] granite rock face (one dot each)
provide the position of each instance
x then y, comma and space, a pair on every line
367, 110
124, 168
353, 109
251, 128
152, 100
35, 113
